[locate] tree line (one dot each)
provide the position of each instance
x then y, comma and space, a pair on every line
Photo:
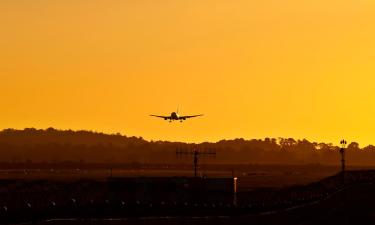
56, 146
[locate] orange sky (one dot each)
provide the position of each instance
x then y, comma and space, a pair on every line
270, 68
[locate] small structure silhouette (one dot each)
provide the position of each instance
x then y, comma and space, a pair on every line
342, 152
196, 154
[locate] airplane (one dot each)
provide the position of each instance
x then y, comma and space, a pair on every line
175, 116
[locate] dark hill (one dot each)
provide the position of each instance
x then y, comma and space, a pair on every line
53, 145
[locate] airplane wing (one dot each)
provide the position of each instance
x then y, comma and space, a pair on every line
187, 117
164, 117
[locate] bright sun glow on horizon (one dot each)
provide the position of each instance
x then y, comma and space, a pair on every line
256, 69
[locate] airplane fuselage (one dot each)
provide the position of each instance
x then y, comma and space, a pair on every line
174, 116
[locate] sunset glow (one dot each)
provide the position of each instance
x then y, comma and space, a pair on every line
256, 69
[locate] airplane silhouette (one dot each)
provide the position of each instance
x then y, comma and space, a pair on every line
175, 116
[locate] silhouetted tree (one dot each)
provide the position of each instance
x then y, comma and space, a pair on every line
92, 147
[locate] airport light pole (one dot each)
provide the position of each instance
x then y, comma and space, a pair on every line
342, 152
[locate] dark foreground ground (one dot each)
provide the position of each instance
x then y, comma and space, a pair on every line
355, 205
348, 199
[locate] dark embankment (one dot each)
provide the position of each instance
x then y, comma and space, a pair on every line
349, 196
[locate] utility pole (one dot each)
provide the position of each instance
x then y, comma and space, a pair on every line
196, 154
342, 152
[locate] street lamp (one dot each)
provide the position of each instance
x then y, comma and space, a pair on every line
342, 152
